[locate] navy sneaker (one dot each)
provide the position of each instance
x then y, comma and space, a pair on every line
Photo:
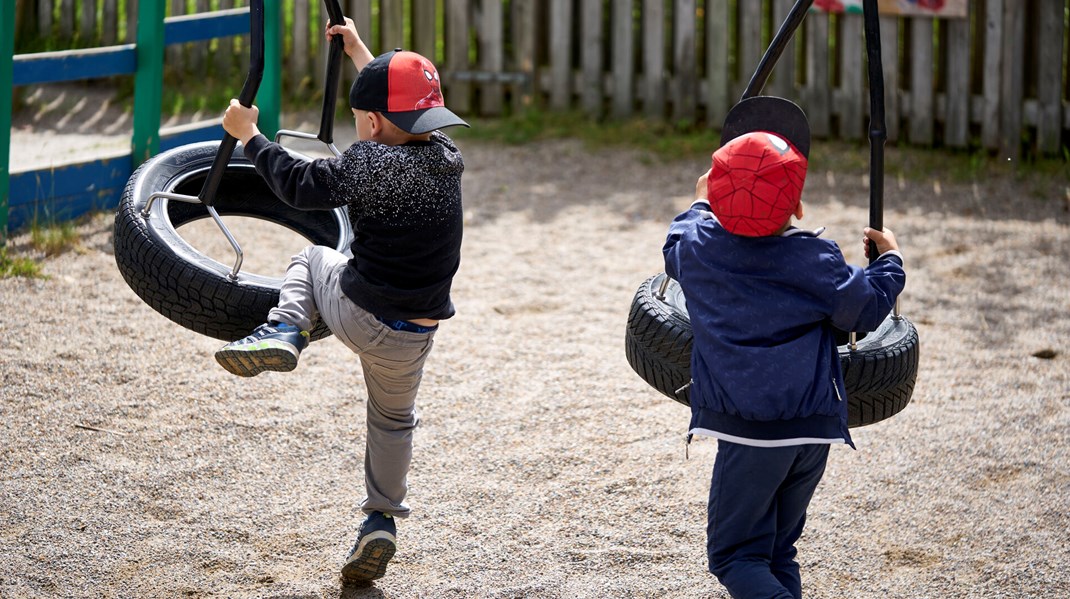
376, 544
273, 346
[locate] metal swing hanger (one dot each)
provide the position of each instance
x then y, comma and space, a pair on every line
330, 94
878, 131
209, 190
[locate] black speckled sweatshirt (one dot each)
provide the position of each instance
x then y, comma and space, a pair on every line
404, 203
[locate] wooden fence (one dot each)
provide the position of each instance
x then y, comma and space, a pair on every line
994, 80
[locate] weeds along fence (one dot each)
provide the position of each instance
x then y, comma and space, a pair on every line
994, 80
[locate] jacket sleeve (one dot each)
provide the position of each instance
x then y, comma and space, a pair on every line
681, 226
302, 184
865, 296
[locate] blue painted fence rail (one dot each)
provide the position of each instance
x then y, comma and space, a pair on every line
65, 192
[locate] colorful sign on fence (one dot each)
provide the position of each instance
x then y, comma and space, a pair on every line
931, 8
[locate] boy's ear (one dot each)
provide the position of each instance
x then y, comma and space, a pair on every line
376, 121
799, 210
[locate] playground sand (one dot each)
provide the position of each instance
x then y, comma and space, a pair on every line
133, 466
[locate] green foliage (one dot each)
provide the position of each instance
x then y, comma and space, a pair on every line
666, 140
53, 238
45, 239
12, 266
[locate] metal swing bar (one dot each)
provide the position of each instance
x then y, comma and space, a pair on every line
330, 96
209, 190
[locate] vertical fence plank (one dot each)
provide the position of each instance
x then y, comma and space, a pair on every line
524, 52
44, 18
131, 21
199, 50
890, 59
491, 56
591, 55
66, 19
852, 99
653, 25
560, 54
957, 115
1049, 76
783, 81
921, 80
297, 58
318, 22
623, 58
457, 54
87, 29
685, 67
749, 43
174, 52
718, 99
224, 53
993, 73
818, 83
392, 22
1012, 93
361, 13
109, 26
423, 29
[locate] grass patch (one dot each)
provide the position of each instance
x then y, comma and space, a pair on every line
53, 238
676, 141
667, 140
44, 240
15, 266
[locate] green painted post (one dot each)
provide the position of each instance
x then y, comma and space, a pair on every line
7, 89
148, 81
269, 94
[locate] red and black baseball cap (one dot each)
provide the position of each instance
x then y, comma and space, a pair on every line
757, 176
405, 88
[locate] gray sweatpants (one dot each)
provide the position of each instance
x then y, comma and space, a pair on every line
392, 362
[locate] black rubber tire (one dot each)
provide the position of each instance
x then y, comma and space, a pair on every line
879, 373
176, 279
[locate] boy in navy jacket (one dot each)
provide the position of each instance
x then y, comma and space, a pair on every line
764, 298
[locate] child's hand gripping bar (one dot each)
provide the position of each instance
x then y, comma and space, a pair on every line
878, 131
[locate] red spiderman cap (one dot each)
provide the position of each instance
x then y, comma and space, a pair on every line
758, 173
405, 88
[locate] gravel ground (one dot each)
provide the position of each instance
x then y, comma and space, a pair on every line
133, 465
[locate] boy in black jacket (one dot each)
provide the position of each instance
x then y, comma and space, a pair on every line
401, 183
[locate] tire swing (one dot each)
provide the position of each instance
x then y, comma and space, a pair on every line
172, 276
879, 368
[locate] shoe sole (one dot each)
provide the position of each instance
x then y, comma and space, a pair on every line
259, 357
369, 562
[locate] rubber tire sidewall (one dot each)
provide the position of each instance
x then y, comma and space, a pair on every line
879, 373
185, 285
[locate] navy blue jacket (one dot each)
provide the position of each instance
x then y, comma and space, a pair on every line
764, 368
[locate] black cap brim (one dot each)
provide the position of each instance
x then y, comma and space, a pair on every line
772, 114
418, 122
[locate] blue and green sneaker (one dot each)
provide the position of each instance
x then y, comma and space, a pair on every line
376, 544
273, 346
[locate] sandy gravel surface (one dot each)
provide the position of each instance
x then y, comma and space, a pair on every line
133, 466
